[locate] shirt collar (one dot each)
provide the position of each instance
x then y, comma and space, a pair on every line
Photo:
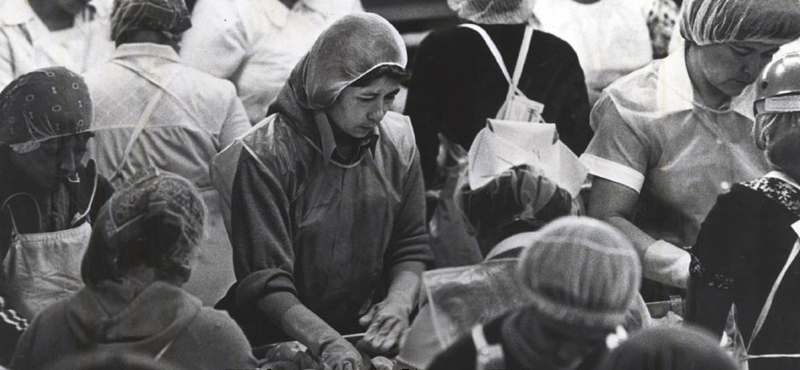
147, 49
676, 93
15, 12
783, 177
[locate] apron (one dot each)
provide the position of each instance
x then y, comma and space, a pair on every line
212, 273
732, 338
42, 268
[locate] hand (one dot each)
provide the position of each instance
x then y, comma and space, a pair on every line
388, 324
341, 355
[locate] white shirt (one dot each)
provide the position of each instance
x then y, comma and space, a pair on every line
196, 116
26, 44
256, 43
611, 37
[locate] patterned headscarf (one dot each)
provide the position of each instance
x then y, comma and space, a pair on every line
42, 105
169, 17
148, 200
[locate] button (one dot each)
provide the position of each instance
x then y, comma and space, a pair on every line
725, 185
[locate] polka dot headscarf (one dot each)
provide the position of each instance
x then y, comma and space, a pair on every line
42, 105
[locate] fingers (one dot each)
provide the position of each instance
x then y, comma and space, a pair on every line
369, 316
384, 334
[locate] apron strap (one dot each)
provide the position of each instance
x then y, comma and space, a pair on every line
137, 130
492, 48
768, 304
11, 214
524, 48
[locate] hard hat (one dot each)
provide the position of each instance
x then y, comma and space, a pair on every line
778, 87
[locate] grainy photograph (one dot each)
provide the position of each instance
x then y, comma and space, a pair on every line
400, 184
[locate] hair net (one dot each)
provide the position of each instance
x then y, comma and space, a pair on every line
520, 199
669, 348
163, 210
581, 271
170, 17
349, 49
42, 105
706, 22
493, 11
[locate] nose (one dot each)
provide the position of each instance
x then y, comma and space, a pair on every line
378, 111
753, 66
68, 163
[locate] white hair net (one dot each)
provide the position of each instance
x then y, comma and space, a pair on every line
580, 271
494, 11
706, 22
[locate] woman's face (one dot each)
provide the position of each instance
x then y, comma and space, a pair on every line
730, 67
359, 109
54, 160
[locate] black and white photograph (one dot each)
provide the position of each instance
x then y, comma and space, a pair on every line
399, 184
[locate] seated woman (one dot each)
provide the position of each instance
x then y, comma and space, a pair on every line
581, 276
669, 348
139, 255
49, 197
43, 33
745, 252
328, 212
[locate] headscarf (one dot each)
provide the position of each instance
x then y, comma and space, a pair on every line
169, 17
580, 271
518, 200
669, 348
42, 105
349, 49
706, 22
150, 201
494, 11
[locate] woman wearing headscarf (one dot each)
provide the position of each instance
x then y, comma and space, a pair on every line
581, 276
457, 84
746, 251
328, 218
139, 255
43, 33
669, 348
672, 136
49, 196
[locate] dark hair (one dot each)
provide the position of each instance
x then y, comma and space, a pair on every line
392, 71
162, 248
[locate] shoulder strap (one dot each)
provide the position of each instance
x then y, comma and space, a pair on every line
768, 304
523, 54
137, 130
492, 47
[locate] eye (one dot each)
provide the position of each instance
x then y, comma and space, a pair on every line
742, 52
